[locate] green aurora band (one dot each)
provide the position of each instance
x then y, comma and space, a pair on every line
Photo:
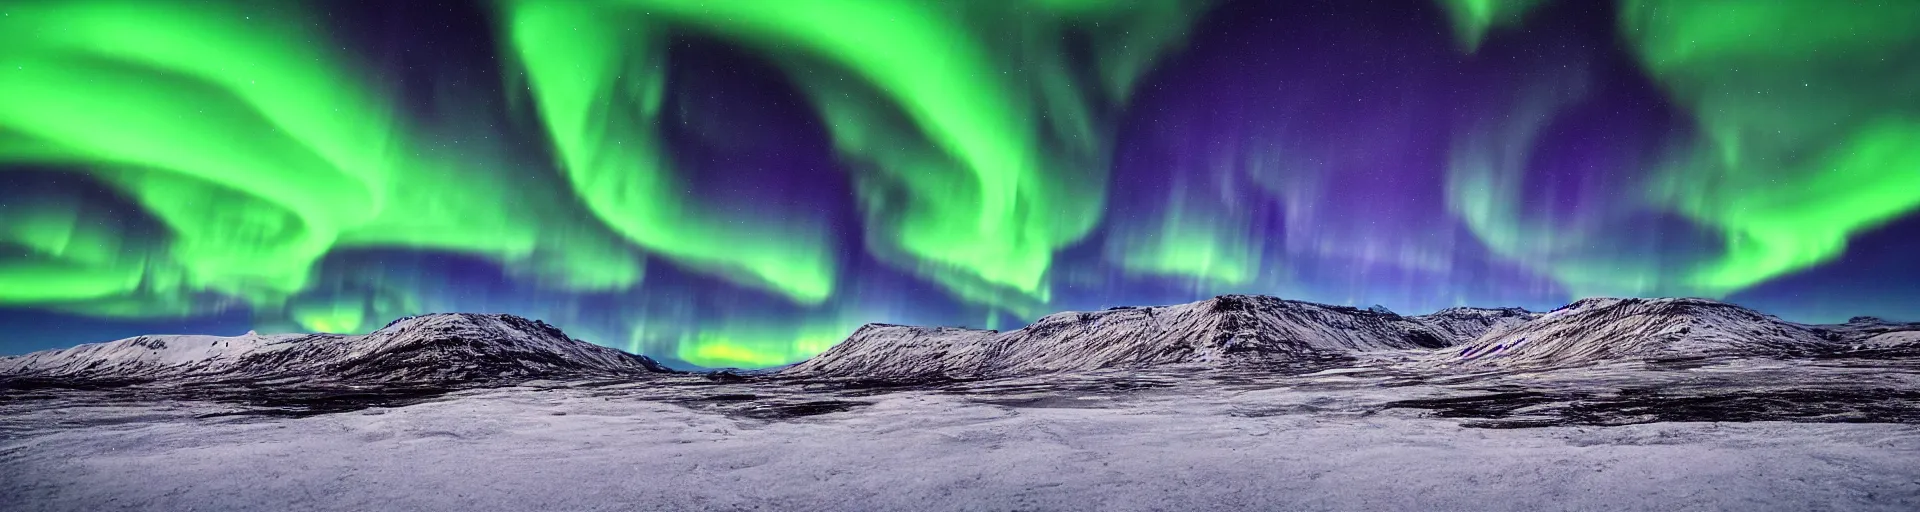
256, 153
978, 203
1486, 191
596, 77
1473, 19
1808, 136
1202, 232
958, 183
1812, 133
262, 160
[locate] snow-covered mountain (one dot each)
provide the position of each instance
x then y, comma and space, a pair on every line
1869, 332
454, 347
1602, 329
1230, 330
1865, 336
1467, 324
1222, 330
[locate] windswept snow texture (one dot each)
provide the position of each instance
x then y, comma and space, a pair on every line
1234, 403
1224, 330
1132, 441
455, 348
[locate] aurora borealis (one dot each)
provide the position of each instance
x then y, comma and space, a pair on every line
742, 183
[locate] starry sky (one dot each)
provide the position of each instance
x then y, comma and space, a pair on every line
741, 183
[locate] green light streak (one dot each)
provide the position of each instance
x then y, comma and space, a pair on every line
256, 151
339, 318
595, 75
69, 255
759, 346
1186, 247
187, 111
1485, 178
965, 187
1202, 233
1809, 136
1472, 19
1778, 220
1812, 130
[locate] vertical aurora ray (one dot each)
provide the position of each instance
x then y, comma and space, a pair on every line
1204, 230
1278, 168
1487, 190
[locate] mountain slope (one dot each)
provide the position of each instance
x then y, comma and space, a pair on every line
1872, 337
1596, 330
1223, 330
1468, 324
454, 347
145, 357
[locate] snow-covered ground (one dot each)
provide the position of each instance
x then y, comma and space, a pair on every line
1167, 443
1233, 403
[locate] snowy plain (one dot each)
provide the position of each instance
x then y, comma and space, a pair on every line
1234, 403
1326, 440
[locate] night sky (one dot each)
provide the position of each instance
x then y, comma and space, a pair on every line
743, 182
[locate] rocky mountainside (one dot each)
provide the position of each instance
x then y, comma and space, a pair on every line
1468, 324
1870, 332
1223, 330
1596, 330
454, 347
1227, 331
1865, 336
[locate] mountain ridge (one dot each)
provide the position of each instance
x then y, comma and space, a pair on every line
433, 348
1229, 329
1599, 329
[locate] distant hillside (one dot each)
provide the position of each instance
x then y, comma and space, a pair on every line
1222, 330
454, 347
